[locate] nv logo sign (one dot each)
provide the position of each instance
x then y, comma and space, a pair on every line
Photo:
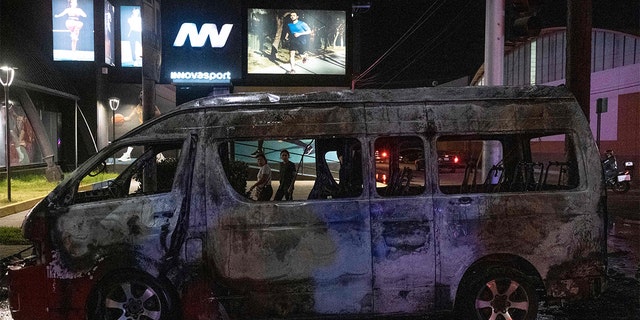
198, 38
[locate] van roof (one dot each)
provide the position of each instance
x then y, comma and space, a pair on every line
439, 109
380, 95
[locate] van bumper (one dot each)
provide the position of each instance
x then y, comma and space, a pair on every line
32, 295
574, 289
582, 280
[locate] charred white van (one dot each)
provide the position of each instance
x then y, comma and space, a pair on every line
175, 234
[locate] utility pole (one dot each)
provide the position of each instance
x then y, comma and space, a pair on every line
493, 70
578, 72
151, 52
151, 59
494, 43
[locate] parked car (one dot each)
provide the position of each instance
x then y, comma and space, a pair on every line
450, 160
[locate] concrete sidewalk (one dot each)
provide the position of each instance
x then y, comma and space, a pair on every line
11, 215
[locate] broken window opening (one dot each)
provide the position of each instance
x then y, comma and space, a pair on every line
324, 168
527, 163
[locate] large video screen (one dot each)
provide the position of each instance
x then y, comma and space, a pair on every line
72, 30
296, 42
130, 36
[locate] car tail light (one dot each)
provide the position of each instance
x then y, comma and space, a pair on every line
456, 159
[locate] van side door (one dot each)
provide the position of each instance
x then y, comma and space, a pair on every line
310, 255
402, 231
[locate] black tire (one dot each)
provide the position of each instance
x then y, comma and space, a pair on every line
132, 295
496, 293
621, 187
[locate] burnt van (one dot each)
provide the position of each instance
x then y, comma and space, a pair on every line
161, 224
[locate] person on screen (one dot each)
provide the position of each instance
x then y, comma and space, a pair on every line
300, 32
73, 22
135, 34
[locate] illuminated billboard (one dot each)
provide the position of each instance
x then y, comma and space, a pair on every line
109, 35
72, 30
202, 42
296, 42
130, 36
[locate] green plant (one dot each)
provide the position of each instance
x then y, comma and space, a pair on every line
12, 236
33, 186
165, 172
237, 173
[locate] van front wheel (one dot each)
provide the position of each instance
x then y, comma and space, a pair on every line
132, 296
500, 294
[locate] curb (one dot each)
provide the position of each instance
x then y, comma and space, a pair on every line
12, 208
18, 207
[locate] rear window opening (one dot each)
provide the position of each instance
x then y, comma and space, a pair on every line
506, 163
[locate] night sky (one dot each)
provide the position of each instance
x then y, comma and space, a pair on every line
447, 41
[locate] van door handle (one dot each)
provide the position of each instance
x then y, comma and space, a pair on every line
465, 200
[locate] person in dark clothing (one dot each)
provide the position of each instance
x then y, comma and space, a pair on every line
287, 177
610, 165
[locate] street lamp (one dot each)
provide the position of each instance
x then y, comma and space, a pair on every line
6, 78
114, 103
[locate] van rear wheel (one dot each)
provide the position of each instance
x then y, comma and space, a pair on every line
500, 294
132, 296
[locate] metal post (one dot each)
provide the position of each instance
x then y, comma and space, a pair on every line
113, 125
114, 103
601, 107
493, 72
7, 148
6, 82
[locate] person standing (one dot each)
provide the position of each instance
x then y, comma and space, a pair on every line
287, 177
610, 165
263, 183
300, 32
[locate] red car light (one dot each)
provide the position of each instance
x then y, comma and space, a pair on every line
456, 159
